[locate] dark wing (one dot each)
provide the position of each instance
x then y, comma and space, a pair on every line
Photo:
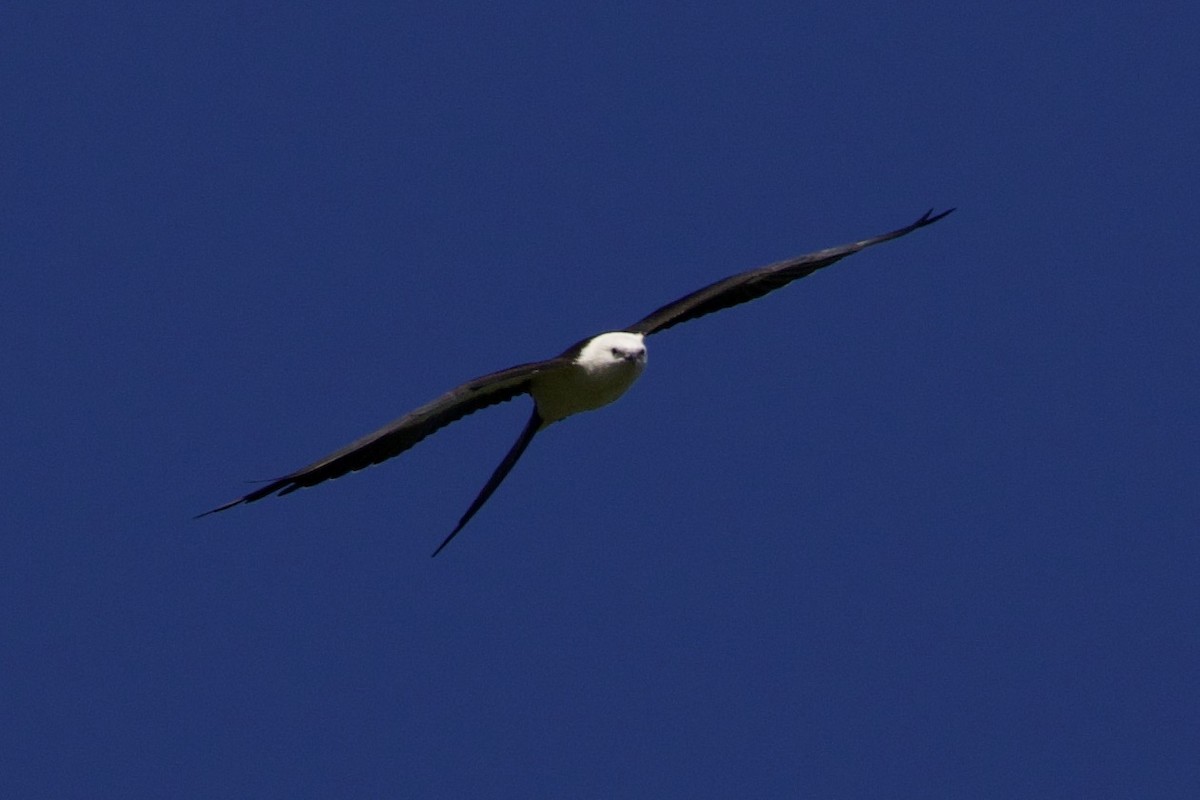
754, 284
395, 438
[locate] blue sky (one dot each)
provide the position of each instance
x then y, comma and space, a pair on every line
921, 525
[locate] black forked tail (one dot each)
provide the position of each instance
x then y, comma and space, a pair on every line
498, 476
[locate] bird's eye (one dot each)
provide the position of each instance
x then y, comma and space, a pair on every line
616, 352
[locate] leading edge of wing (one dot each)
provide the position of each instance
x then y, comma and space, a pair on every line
752, 284
403, 433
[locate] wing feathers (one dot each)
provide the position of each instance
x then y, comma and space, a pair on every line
400, 435
746, 286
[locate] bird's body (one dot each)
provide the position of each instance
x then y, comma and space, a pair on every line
605, 368
587, 376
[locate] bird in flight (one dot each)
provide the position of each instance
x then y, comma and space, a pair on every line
589, 374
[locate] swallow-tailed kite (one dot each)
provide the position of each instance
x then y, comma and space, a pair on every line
588, 375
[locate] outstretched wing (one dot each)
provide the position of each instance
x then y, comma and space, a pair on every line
393, 439
751, 285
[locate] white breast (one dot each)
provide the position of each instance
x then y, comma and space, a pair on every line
604, 369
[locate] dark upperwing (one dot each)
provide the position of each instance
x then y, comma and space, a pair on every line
398, 436
755, 283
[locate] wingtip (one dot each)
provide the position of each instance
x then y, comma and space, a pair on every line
928, 218
228, 505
